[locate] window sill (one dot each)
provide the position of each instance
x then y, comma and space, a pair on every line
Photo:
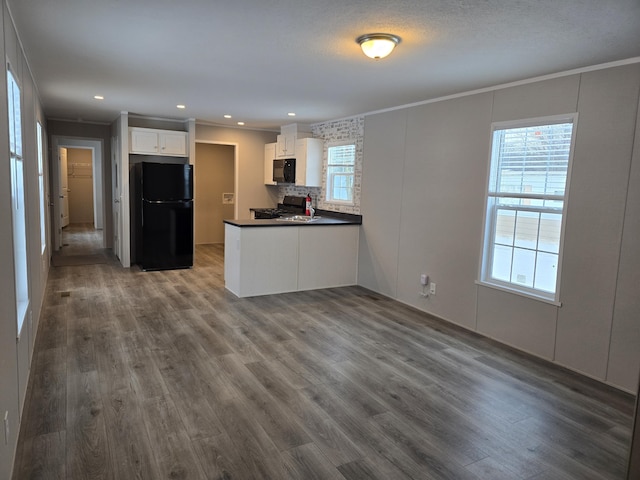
337, 202
22, 309
520, 293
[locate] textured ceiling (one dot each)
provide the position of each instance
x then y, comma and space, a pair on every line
260, 59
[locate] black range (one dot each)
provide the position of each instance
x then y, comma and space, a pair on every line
291, 205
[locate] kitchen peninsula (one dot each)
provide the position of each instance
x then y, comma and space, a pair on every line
264, 257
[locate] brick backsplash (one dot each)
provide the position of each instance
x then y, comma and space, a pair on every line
336, 131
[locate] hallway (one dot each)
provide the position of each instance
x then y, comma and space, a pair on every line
81, 245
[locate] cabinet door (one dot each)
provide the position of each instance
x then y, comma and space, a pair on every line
281, 146
286, 146
143, 141
269, 156
173, 143
328, 256
309, 162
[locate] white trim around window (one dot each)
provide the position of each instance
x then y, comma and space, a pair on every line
340, 173
525, 206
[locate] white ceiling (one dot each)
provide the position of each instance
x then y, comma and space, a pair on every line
260, 59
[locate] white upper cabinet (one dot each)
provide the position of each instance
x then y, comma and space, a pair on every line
143, 141
286, 146
287, 140
309, 162
149, 141
173, 143
269, 156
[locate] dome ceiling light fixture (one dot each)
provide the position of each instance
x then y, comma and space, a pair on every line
377, 45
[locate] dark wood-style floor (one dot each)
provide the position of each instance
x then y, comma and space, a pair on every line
165, 375
80, 239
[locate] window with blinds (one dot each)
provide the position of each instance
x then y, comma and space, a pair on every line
340, 173
526, 198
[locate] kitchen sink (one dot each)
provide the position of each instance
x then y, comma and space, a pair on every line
297, 218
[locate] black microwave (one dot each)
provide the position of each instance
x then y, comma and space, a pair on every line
284, 170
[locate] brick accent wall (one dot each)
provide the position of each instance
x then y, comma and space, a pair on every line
351, 129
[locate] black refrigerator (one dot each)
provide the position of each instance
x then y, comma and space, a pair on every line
164, 215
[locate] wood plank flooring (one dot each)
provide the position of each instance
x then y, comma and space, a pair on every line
80, 239
81, 245
165, 375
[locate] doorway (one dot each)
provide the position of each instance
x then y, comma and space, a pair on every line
78, 209
80, 232
214, 188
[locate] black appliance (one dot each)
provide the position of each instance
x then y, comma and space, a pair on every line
164, 215
284, 170
291, 205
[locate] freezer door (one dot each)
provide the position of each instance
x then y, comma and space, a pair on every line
167, 181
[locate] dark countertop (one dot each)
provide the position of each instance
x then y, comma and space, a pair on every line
324, 217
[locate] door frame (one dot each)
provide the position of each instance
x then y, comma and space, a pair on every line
235, 169
63, 185
99, 206
235, 177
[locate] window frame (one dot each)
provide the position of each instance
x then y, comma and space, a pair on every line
329, 175
18, 194
492, 205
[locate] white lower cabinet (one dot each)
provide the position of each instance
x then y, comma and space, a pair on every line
327, 256
268, 260
260, 261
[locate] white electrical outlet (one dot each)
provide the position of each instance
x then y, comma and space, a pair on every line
432, 288
6, 427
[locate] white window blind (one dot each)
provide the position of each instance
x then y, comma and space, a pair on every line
526, 196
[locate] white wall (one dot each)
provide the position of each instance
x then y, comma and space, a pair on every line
16, 356
625, 332
424, 177
381, 201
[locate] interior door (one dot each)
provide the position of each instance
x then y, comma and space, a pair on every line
64, 188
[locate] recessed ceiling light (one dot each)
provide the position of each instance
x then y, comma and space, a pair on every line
98, 97
291, 114
227, 116
240, 123
181, 107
